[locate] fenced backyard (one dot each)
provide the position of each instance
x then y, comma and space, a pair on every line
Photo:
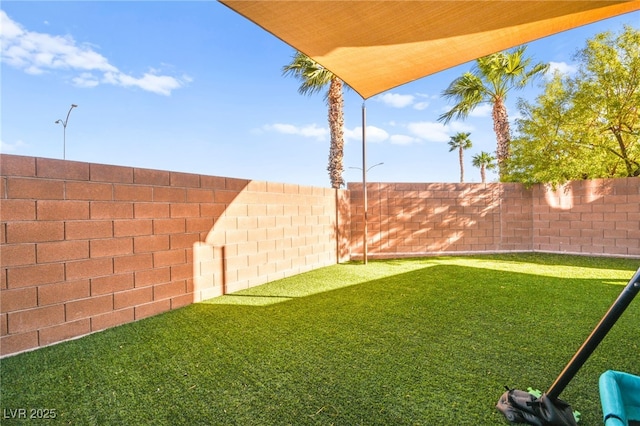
230, 301
429, 341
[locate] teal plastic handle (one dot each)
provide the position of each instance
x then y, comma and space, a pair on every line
620, 397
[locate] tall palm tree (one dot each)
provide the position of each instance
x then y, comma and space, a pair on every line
314, 78
484, 161
460, 141
490, 80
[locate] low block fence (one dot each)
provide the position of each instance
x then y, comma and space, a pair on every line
591, 217
85, 247
89, 246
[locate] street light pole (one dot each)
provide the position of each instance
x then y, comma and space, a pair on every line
364, 181
64, 131
364, 192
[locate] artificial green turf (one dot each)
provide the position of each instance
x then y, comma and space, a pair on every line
400, 342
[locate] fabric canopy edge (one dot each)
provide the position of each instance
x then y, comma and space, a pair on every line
586, 17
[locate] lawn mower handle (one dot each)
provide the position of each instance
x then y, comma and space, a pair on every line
596, 336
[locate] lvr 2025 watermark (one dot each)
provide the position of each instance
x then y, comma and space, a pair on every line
29, 413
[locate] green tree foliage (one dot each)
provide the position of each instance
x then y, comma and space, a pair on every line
584, 126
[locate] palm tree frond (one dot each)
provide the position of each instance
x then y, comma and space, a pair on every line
484, 159
468, 92
313, 76
491, 78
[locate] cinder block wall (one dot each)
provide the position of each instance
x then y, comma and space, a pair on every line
600, 217
415, 219
596, 217
89, 246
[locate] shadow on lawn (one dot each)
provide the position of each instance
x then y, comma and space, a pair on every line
320, 281
425, 341
460, 329
431, 345
546, 265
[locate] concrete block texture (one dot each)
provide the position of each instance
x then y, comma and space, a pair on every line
85, 247
91, 246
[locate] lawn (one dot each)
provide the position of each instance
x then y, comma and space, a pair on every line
427, 341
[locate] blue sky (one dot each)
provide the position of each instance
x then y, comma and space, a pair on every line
194, 87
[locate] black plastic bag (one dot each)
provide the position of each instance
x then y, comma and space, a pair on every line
522, 407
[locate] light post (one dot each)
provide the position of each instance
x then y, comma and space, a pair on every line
64, 131
366, 207
360, 168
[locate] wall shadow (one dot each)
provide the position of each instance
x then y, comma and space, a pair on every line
435, 218
268, 231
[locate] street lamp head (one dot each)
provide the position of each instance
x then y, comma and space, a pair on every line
64, 131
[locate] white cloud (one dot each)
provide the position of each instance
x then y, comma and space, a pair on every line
421, 105
308, 131
11, 147
560, 67
459, 126
429, 131
39, 53
353, 134
396, 100
86, 79
374, 134
418, 132
314, 131
435, 131
10, 29
160, 84
427, 96
287, 129
403, 139
483, 110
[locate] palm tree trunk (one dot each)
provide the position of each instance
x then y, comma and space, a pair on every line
461, 164
483, 173
503, 134
336, 126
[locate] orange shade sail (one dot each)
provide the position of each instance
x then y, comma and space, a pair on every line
374, 46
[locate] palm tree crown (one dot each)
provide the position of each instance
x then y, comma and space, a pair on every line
490, 80
484, 161
314, 78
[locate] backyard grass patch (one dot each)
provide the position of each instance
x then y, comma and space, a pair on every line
427, 341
